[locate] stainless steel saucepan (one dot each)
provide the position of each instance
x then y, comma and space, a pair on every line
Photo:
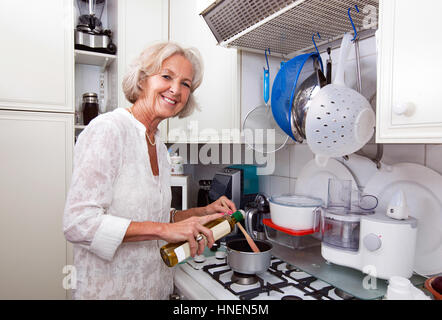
242, 259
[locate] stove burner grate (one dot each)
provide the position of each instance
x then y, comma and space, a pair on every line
303, 284
244, 279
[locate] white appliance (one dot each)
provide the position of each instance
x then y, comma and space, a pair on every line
373, 243
180, 190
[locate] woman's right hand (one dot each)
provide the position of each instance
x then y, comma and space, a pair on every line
188, 230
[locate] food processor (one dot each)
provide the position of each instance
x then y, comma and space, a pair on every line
89, 33
372, 242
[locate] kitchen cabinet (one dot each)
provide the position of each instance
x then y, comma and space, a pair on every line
36, 143
34, 179
218, 95
95, 71
135, 24
408, 97
37, 53
140, 23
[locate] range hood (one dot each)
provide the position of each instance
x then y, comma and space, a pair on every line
286, 27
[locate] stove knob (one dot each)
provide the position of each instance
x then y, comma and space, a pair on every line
372, 242
220, 254
199, 258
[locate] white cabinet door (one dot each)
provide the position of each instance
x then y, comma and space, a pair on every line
35, 172
218, 95
409, 105
140, 23
37, 55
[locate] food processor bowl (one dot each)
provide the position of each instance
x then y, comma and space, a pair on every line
340, 229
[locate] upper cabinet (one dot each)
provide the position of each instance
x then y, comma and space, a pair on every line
218, 120
134, 24
409, 104
95, 62
140, 23
37, 55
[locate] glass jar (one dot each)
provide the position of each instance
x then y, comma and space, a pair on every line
89, 107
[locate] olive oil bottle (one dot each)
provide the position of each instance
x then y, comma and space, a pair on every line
173, 253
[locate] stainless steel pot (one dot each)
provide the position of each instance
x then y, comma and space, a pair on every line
242, 259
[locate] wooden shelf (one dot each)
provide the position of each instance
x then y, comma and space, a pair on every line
94, 58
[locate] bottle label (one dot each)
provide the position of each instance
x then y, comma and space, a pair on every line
220, 230
182, 252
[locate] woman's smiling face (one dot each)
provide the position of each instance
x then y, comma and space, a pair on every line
168, 91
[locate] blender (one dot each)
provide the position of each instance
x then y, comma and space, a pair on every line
89, 33
377, 243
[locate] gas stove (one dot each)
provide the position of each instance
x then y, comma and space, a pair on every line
212, 279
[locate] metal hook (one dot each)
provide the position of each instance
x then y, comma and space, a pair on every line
313, 39
351, 20
267, 60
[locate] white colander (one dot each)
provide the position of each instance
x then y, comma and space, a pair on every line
340, 121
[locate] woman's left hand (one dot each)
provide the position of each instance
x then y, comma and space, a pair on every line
218, 207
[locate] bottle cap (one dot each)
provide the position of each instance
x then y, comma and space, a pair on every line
238, 215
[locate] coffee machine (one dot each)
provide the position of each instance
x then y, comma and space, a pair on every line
238, 183
372, 242
89, 33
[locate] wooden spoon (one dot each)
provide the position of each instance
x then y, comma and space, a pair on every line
249, 239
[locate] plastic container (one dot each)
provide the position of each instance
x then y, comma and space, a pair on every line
288, 238
295, 212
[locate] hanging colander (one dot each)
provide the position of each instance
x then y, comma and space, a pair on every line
284, 91
340, 121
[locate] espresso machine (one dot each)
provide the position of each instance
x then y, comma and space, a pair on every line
89, 33
239, 183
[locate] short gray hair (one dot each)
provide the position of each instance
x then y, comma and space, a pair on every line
149, 62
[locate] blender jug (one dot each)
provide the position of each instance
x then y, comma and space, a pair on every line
90, 14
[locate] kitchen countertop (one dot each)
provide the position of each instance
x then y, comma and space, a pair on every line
347, 279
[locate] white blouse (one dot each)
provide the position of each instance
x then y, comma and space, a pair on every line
112, 185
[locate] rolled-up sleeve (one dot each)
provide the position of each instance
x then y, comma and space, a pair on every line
97, 162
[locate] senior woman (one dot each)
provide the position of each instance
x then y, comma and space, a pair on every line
118, 206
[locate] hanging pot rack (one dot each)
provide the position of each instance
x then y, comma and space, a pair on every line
286, 26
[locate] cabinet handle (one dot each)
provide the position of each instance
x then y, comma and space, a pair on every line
404, 108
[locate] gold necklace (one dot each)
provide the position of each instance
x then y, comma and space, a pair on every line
147, 136
152, 144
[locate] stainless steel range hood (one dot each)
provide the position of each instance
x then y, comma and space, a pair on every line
287, 26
